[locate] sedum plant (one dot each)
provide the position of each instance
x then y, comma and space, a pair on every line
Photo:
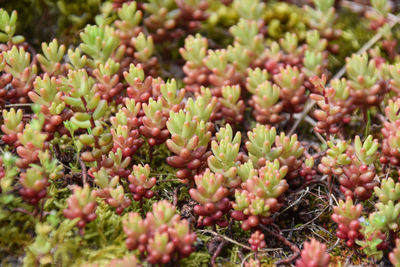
100, 43
154, 122
124, 128
258, 199
141, 183
292, 91
335, 105
32, 141
111, 190
322, 18
50, 60
47, 94
313, 254
211, 194
391, 134
12, 125
249, 10
81, 204
394, 256
140, 87
232, 108
189, 142
347, 215
260, 143
377, 16
161, 236
365, 88
388, 191
194, 52
108, 83
257, 241
292, 151
203, 106
225, 152
358, 178
21, 73
8, 26
266, 104
8, 171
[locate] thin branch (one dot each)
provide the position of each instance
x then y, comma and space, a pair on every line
217, 252
237, 243
309, 222
84, 172
24, 211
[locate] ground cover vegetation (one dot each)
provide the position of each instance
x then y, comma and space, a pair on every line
199, 132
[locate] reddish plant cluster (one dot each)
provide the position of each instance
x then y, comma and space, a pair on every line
162, 236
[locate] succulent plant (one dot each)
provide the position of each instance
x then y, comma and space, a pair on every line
194, 52
47, 94
377, 16
128, 22
82, 204
12, 125
108, 83
225, 151
257, 241
260, 144
249, 10
85, 103
292, 91
266, 104
124, 128
347, 215
8, 27
211, 194
17, 63
172, 98
154, 122
111, 191
335, 104
358, 177
161, 235
100, 43
313, 254
386, 216
373, 241
388, 191
203, 107
139, 86
335, 158
136, 229
259, 197
363, 81
189, 141
322, 18
52, 56
292, 150
8, 171
140, 182
32, 141
232, 108
394, 256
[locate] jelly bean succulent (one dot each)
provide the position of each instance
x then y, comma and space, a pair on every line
197, 132
161, 236
211, 194
313, 254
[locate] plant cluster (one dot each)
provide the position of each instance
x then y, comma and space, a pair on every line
121, 148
